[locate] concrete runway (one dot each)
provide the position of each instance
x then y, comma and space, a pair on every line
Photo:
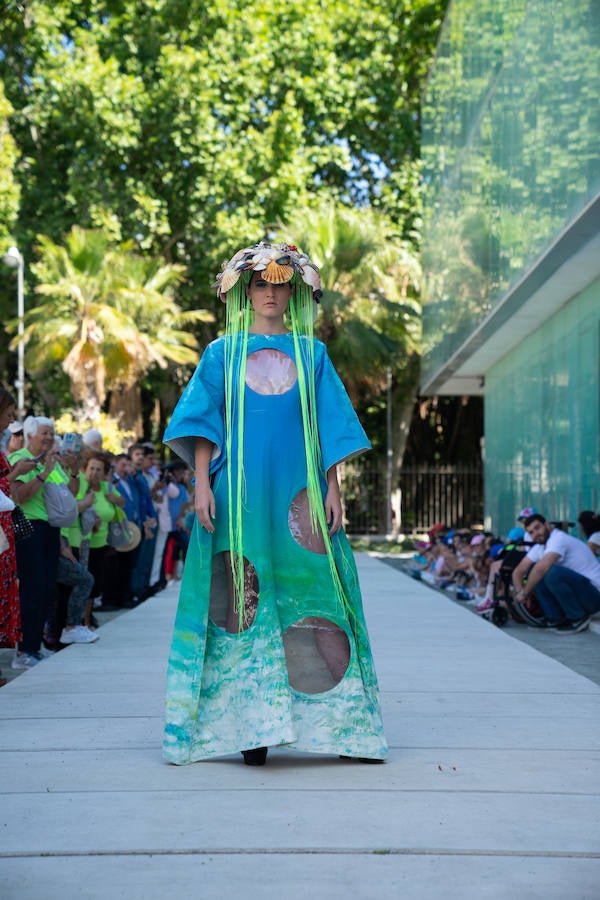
491, 789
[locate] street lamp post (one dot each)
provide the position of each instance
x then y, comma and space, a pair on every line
14, 259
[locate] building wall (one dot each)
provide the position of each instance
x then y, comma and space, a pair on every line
511, 150
542, 419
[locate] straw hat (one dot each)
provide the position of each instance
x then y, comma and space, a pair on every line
136, 537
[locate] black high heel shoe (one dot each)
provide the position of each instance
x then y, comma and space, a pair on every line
256, 757
364, 759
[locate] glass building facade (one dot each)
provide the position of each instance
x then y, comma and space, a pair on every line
511, 147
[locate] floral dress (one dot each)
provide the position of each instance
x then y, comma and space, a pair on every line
10, 611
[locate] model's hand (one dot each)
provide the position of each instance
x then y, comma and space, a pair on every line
205, 506
333, 510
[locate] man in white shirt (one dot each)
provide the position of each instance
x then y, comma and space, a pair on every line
564, 573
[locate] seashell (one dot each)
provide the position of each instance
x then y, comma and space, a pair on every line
310, 276
284, 260
259, 267
276, 274
229, 278
262, 259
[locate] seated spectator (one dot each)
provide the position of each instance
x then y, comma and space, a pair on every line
501, 555
71, 573
566, 577
590, 525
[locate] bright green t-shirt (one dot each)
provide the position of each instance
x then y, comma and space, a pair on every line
104, 508
35, 507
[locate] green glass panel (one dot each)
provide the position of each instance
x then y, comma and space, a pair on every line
542, 419
511, 148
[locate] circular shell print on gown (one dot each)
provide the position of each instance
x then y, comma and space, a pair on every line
317, 653
221, 608
270, 371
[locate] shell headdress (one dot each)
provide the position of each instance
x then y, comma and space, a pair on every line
278, 263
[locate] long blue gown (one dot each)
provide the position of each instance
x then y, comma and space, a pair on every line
300, 673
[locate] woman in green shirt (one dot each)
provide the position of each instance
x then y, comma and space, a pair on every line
94, 478
37, 557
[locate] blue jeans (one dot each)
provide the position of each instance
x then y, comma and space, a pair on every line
75, 574
565, 594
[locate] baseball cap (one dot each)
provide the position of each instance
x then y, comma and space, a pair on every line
495, 549
515, 534
15, 427
477, 539
526, 512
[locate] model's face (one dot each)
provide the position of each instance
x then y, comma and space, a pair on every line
539, 532
7, 417
269, 301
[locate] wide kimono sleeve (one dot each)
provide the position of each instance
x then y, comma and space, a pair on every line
340, 433
200, 411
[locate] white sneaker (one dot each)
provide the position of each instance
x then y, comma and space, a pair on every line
97, 601
78, 635
25, 660
45, 653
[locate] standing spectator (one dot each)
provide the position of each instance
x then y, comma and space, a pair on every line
119, 564
164, 490
37, 557
146, 518
10, 612
92, 439
94, 484
15, 439
566, 578
179, 537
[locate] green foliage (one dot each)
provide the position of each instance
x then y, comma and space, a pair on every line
511, 121
115, 439
107, 316
191, 128
194, 126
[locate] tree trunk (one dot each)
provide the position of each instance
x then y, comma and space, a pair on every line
126, 407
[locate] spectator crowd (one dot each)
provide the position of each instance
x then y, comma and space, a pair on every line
82, 531
538, 573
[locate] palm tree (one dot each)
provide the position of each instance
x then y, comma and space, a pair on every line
108, 316
370, 317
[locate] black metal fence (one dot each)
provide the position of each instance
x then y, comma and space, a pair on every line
421, 496
450, 494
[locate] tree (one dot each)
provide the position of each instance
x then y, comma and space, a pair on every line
192, 127
369, 312
107, 317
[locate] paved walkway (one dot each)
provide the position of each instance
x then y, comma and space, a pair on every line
492, 788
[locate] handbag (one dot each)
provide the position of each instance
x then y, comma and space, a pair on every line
119, 532
61, 505
22, 527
